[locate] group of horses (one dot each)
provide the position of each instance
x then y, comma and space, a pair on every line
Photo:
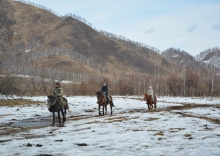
55, 106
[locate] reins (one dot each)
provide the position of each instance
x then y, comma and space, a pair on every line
56, 100
102, 100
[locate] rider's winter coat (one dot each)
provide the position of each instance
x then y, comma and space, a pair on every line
58, 93
151, 92
104, 89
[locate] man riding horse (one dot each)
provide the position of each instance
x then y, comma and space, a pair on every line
151, 93
58, 93
104, 91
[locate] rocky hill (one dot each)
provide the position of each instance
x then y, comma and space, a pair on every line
210, 57
178, 56
184, 60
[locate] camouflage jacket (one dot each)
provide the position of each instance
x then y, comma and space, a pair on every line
58, 92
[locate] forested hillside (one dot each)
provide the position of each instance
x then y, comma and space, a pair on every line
210, 56
42, 47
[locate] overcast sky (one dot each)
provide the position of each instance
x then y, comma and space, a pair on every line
190, 25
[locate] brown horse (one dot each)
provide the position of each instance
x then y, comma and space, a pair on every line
102, 101
54, 106
150, 101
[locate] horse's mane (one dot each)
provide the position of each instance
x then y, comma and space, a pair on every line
146, 95
98, 93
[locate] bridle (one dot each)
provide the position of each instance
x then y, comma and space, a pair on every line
101, 98
49, 100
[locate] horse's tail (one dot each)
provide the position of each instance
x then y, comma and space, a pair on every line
66, 105
113, 104
111, 101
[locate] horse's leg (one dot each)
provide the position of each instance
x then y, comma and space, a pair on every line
148, 105
151, 105
99, 110
64, 116
111, 104
155, 103
65, 112
103, 110
59, 117
53, 122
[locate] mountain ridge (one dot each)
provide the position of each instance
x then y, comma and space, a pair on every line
97, 53
53, 33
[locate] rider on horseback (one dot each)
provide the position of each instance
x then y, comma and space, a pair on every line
104, 91
58, 93
151, 93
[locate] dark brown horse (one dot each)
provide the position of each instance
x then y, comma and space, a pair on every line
150, 101
102, 101
54, 106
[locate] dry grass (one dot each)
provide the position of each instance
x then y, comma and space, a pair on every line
151, 119
5, 140
117, 119
12, 103
161, 133
187, 135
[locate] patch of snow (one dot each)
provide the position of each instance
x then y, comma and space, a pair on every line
131, 130
28, 50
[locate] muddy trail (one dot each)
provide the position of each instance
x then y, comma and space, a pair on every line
38, 121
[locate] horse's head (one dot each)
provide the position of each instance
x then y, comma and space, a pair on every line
49, 97
50, 100
146, 96
98, 94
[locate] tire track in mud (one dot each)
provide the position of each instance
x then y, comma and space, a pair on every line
215, 121
191, 106
182, 106
185, 106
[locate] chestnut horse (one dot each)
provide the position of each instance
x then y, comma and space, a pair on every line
150, 101
102, 101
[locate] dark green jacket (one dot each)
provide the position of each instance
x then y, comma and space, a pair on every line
58, 92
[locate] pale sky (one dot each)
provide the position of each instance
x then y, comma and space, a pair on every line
190, 25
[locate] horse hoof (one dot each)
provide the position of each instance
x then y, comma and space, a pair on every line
60, 125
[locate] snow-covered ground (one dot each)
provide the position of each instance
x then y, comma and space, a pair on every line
172, 130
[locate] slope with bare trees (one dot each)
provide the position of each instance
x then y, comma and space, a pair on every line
40, 47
